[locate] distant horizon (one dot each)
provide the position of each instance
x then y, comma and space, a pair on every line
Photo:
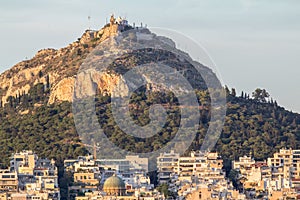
255, 44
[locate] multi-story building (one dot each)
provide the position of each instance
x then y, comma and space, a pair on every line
186, 167
23, 162
197, 166
120, 166
205, 192
243, 164
8, 181
90, 173
279, 175
167, 163
200, 166
132, 169
284, 167
190, 173
296, 169
87, 177
46, 174
30, 177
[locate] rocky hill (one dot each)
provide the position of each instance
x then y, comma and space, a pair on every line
56, 68
36, 102
47, 81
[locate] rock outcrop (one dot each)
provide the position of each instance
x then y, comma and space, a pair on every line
16, 84
59, 67
63, 91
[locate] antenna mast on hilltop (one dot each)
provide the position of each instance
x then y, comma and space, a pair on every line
89, 18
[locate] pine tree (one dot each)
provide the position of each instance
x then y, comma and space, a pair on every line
242, 95
227, 90
233, 92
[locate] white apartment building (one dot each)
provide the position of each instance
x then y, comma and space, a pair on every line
167, 163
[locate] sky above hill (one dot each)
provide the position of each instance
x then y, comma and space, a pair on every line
254, 43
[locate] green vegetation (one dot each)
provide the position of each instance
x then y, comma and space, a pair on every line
257, 127
47, 130
164, 189
260, 95
253, 125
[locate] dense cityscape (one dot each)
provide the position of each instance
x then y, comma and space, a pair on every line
128, 113
197, 176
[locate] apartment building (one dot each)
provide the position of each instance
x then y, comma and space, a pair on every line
29, 177
167, 164
8, 181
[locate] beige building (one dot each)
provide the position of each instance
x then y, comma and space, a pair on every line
243, 164
278, 177
191, 173
23, 162
210, 194
202, 166
114, 188
202, 193
86, 177
8, 181
285, 166
3, 196
283, 194
198, 164
30, 177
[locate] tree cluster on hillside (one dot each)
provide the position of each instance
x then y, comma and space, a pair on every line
251, 126
255, 125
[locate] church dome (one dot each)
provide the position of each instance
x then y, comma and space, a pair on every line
114, 185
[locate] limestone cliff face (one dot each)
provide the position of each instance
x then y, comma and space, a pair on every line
60, 70
106, 82
88, 82
63, 91
58, 67
102, 34
16, 84
110, 31
86, 85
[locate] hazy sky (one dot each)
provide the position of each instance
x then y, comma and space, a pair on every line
254, 43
